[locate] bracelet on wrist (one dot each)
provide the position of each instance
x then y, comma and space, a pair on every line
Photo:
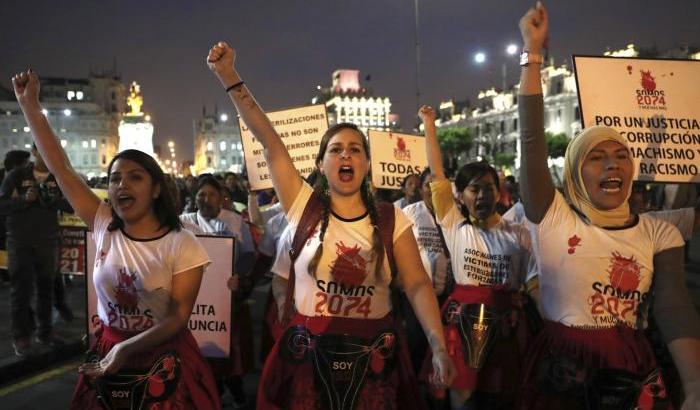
238, 84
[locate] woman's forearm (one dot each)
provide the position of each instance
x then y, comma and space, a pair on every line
279, 291
424, 303
154, 336
433, 151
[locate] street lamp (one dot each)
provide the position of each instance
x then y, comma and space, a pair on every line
223, 117
480, 57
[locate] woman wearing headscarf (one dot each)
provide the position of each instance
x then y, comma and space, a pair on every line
599, 267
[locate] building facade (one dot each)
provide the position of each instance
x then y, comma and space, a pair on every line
217, 144
348, 101
493, 120
84, 113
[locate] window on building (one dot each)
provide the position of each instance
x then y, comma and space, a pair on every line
577, 114
559, 87
503, 127
210, 146
208, 161
85, 144
222, 146
104, 159
85, 159
515, 124
93, 143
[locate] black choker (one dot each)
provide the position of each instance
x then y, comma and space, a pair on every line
350, 219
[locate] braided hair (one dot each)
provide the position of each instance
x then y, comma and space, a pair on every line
322, 191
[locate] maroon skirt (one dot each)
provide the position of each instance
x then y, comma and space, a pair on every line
574, 353
500, 373
363, 363
196, 387
271, 329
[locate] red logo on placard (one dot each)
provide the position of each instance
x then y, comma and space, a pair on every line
649, 97
401, 153
349, 268
648, 82
574, 241
624, 273
125, 291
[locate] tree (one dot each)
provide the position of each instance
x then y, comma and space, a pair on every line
454, 141
504, 160
556, 144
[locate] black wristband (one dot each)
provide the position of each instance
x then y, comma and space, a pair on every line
234, 86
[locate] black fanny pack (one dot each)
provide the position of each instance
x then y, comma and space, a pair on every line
341, 363
134, 389
477, 324
603, 389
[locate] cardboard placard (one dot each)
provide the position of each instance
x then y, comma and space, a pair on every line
301, 130
394, 156
654, 104
211, 318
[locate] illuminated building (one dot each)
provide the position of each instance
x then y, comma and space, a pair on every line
84, 113
493, 120
135, 128
348, 101
217, 144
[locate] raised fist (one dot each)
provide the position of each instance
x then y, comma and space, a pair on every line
221, 58
427, 114
26, 85
533, 28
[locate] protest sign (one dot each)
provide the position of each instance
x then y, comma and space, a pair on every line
654, 104
394, 156
301, 130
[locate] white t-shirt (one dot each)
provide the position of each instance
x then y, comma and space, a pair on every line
133, 278
401, 202
486, 257
591, 277
226, 223
273, 231
432, 252
683, 219
345, 284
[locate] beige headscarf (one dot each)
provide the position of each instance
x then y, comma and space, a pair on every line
575, 190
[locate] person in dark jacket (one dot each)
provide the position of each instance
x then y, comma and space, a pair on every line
31, 199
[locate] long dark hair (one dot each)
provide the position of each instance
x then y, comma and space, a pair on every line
321, 190
468, 173
165, 206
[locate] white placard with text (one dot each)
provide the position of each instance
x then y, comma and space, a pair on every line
301, 130
655, 104
394, 156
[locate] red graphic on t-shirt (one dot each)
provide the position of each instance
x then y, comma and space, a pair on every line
574, 241
648, 82
624, 272
349, 268
125, 291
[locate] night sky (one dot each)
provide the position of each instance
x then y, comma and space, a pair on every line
288, 47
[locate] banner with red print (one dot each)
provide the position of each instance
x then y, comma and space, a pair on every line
394, 156
653, 103
210, 320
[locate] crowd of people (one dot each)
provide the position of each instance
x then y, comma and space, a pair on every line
464, 291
